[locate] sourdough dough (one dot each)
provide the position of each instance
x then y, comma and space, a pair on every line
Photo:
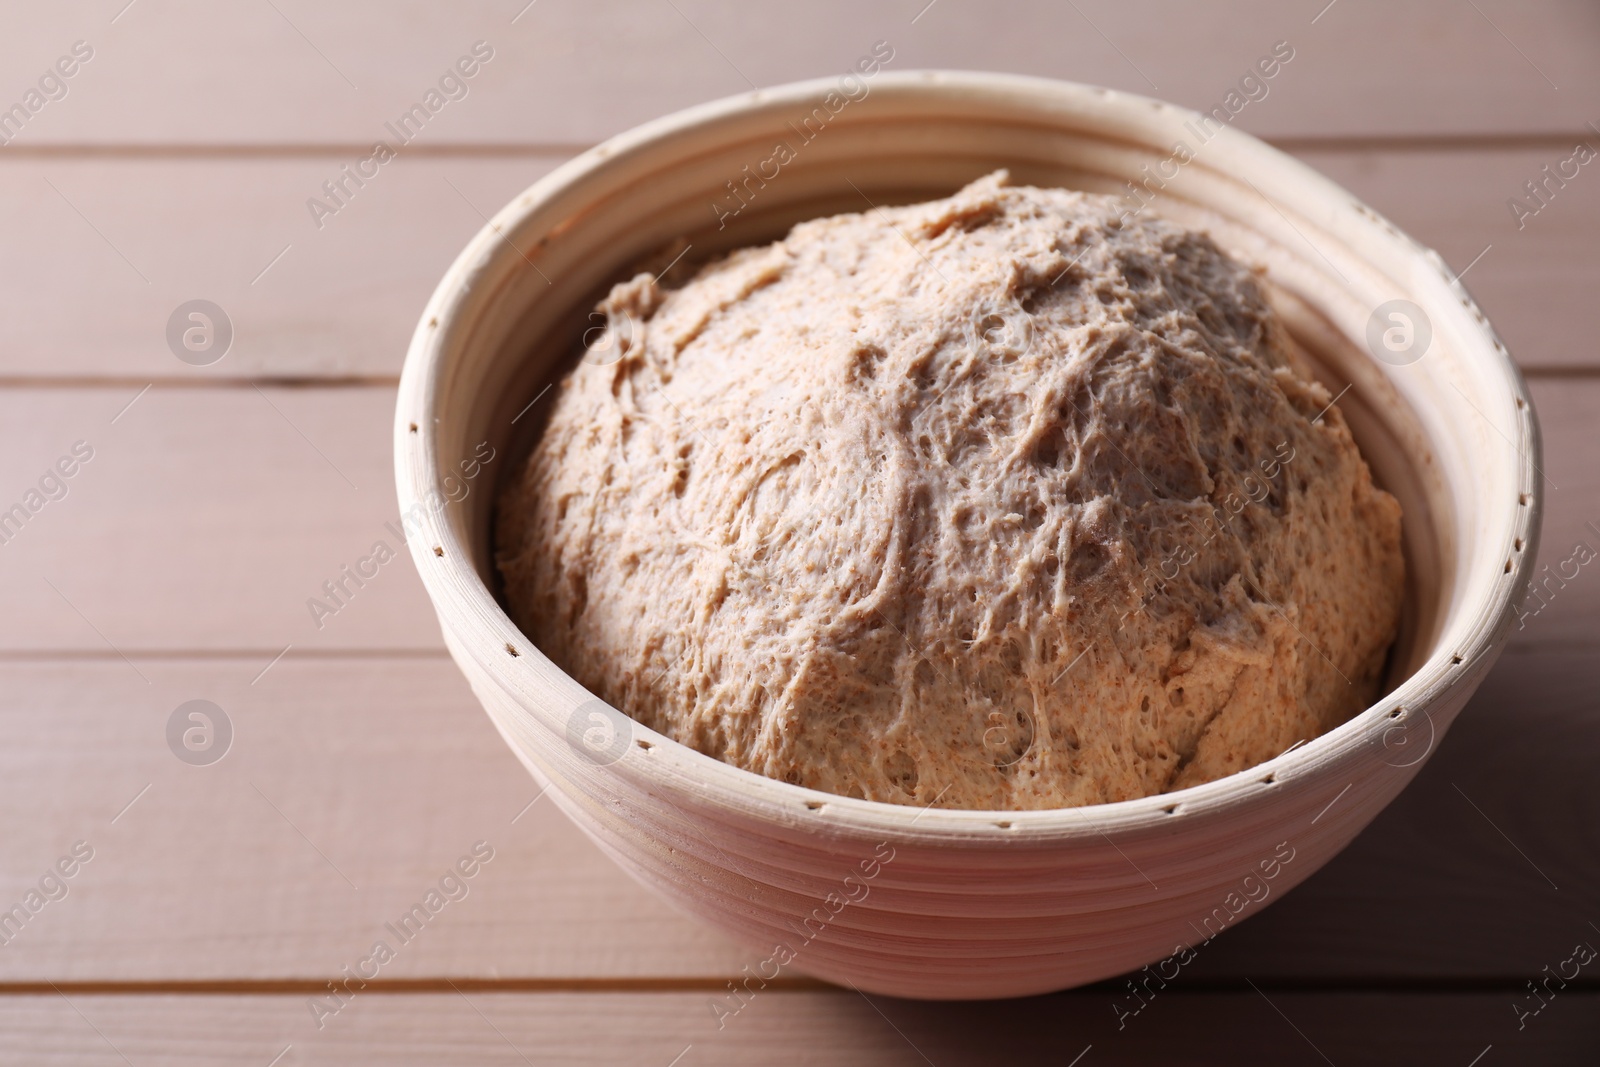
989, 502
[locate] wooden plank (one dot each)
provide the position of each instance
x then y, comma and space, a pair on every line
1266, 1026
298, 72
1567, 609
384, 772
349, 790
209, 518
1537, 273
206, 520
343, 299
179, 562
99, 255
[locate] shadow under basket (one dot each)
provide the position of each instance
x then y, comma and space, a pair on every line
940, 903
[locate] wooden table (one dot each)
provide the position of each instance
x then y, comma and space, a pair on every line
219, 899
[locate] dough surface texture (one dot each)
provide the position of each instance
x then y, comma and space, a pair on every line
989, 502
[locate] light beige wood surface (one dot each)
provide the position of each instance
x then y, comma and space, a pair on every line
294, 72
343, 298
184, 153
351, 787
150, 232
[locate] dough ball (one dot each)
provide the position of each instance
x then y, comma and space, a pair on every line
998, 502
